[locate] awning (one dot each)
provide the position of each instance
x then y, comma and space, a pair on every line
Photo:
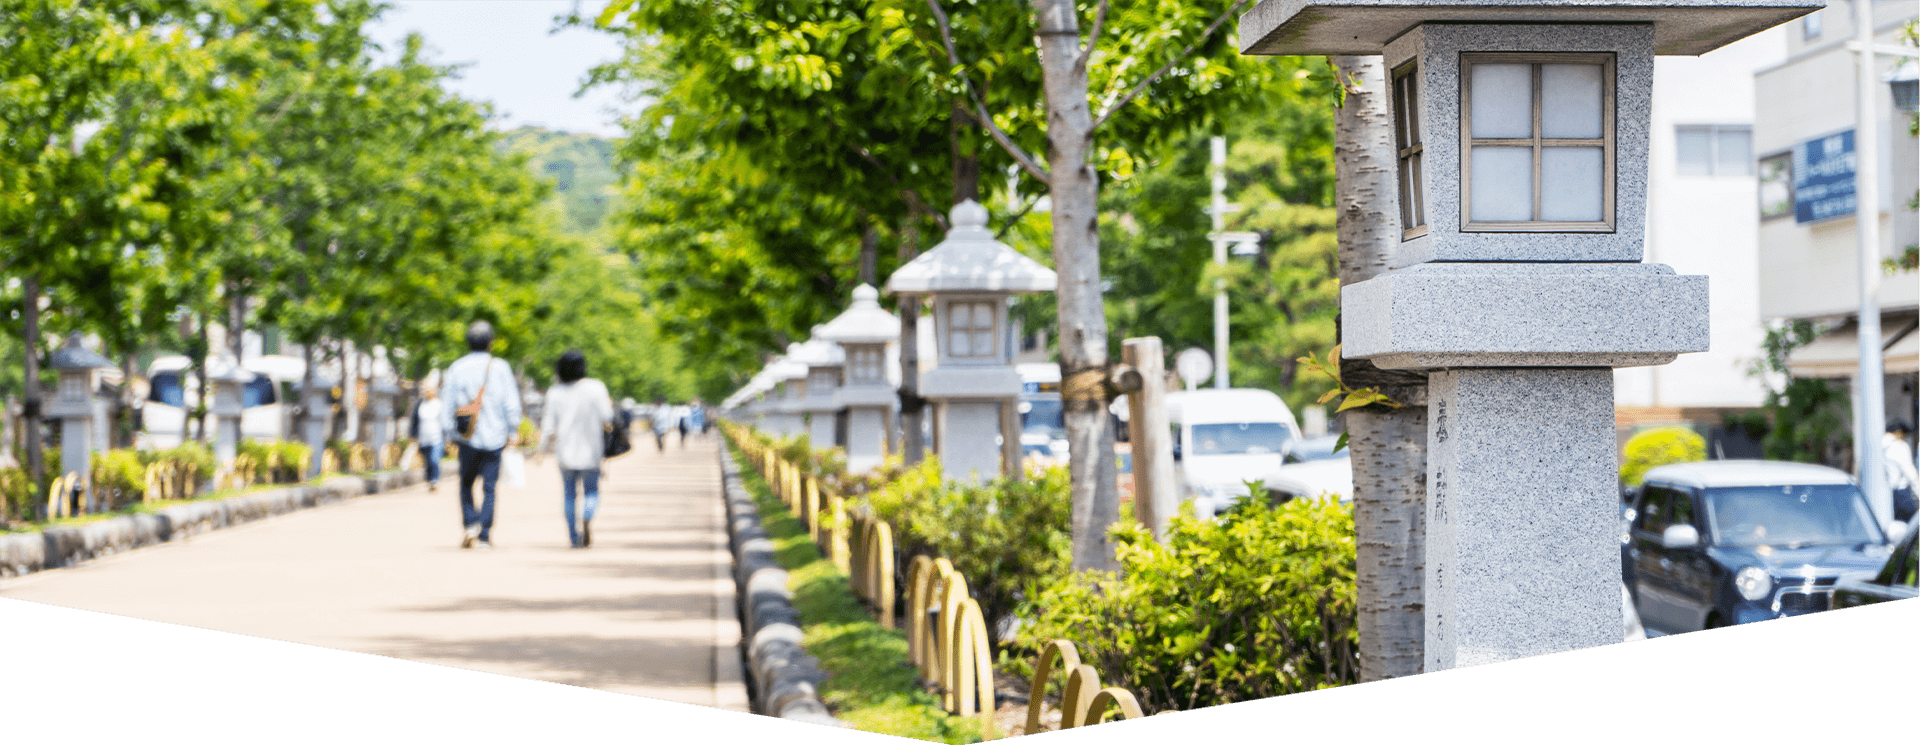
1836, 354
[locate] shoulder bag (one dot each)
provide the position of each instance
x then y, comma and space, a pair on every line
467, 416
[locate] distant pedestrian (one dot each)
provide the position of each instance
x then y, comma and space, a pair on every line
431, 436
482, 413
662, 422
1898, 452
683, 419
699, 417
573, 429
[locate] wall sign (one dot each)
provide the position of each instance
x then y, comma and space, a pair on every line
1823, 185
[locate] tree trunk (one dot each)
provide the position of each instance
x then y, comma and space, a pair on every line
127, 430
30, 411
913, 447
1388, 446
200, 365
869, 254
236, 321
966, 163
1084, 357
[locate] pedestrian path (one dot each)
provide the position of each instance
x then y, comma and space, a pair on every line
647, 610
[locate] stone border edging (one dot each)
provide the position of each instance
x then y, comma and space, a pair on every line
782, 677
52, 548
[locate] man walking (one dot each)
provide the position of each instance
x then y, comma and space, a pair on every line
481, 411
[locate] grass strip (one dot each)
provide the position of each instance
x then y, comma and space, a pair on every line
874, 685
157, 505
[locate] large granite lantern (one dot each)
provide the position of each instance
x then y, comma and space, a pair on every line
971, 279
789, 378
229, 381
79, 369
866, 394
825, 362
1520, 133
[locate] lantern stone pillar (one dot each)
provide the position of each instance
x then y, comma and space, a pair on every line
380, 397
867, 394
316, 401
824, 360
1521, 137
228, 380
73, 404
971, 279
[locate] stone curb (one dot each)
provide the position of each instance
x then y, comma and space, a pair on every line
782, 678
26, 553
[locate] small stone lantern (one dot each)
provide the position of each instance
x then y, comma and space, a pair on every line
316, 405
79, 368
971, 279
380, 397
1520, 132
229, 382
867, 394
789, 380
825, 362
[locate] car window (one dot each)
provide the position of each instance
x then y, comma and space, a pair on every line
1791, 515
1653, 509
1681, 510
165, 388
1240, 437
258, 392
1900, 569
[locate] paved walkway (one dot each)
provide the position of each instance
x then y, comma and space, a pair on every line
647, 610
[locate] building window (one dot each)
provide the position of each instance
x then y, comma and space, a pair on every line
1810, 26
1537, 134
970, 326
1406, 128
1776, 186
1702, 150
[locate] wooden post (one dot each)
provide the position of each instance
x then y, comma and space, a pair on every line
1156, 495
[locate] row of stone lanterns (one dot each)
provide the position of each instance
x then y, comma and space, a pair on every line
837, 388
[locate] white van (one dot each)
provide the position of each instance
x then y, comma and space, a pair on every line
172, 391
1224, 438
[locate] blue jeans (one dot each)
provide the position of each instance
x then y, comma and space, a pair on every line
591, 479
432, 455
483, 465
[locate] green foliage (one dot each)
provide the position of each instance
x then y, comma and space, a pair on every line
1807, 419
1258, 605
197, 456
585, 183
18, 494
1658, 447
119, 477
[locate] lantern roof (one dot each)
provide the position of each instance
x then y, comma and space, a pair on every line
864, 323
223, 368
818, 352
785, 367
971, 260
76, 357
1680, 27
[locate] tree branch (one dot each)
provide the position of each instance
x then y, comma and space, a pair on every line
1151, 79
1093, 36
1015, 219
1027, 162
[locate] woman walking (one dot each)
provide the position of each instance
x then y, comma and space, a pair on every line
577, 412
431, 435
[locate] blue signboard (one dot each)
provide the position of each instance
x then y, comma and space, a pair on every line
1823, 178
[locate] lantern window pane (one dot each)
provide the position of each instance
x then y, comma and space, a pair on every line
1502, 183
1570, 101
970, 329
1406, 118
1570, 184
1502, 100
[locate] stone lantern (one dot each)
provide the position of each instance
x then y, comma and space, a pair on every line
380, 397
789, 379
229, 381
78, 367
316, 406
971, 279
867, 393
825, 366
1520, 132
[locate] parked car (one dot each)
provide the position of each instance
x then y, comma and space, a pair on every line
1736, 541
1894, 580
172, 392
1311, 479
1224, 438
1314, 448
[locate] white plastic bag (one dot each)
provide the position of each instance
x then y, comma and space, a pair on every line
513, 468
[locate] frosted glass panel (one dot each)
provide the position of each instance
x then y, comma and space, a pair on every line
1570, 101
1734, 157
960, 343
962, 315
983, 343
1502, 184
1693, 147
1571, 181
1502, 100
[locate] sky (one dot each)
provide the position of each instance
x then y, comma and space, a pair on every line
529, 74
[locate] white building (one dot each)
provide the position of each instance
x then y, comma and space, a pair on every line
1701, 195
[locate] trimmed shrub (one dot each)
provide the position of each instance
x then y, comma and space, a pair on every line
1007, 537
119, 477
1260, 604
1659, 447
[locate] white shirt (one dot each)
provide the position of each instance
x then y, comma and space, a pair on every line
431, 432
1900, 472
572, 427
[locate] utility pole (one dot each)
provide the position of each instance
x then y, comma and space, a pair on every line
1869, 380
1219, 211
